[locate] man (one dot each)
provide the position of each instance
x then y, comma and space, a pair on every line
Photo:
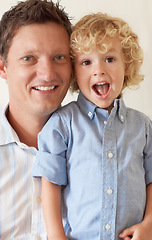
35, 60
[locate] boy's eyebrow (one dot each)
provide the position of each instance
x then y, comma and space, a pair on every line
112, 49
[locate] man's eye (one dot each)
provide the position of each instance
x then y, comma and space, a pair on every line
86, 62
28, 58
59, 57
110, 59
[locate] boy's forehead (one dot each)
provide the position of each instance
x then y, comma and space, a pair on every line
104, 44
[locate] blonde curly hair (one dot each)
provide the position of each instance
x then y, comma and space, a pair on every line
92, 29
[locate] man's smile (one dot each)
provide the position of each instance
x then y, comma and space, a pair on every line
44, 88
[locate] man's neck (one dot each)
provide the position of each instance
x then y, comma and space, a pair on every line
27, 127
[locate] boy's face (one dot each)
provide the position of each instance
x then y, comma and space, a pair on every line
100, 76
38, 68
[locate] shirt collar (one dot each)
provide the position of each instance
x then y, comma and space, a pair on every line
89, 108
86, 106
120, 108
7, 133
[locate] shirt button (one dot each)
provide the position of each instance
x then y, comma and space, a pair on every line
107, 227
38, 199
105, 122
90, 114
22, 145
109, 191
110, 155
122, 118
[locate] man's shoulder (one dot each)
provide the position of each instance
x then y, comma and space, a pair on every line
69, 108
5, 127
3, 118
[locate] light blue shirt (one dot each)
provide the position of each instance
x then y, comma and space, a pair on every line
104, 163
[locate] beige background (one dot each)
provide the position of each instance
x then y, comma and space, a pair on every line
138, 13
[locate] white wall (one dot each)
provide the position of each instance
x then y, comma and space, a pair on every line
138, 13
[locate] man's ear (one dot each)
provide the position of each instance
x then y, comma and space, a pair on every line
3, 73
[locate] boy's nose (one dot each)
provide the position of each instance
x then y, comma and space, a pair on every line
99, 70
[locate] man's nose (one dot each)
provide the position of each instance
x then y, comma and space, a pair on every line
46, 70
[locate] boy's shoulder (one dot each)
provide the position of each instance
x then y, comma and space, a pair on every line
137, 115
130, 115
136, 112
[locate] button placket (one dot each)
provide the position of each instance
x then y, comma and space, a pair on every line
109, 180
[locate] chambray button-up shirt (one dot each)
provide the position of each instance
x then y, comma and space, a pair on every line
104, 163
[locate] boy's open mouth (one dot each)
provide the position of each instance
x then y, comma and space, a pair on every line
101, 88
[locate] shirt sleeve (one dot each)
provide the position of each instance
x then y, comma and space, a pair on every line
51, 157
148, 152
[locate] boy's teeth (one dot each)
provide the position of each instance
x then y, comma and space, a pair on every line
101, 88
41, 88
101, 83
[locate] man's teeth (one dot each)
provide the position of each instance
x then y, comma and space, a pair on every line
42, 88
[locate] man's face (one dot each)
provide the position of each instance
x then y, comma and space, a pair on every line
38, 68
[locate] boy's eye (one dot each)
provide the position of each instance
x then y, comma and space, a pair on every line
110, 59
86, 62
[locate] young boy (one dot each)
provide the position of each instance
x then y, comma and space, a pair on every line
96, 150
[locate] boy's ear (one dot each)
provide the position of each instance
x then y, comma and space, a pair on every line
127, 71
3, 73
